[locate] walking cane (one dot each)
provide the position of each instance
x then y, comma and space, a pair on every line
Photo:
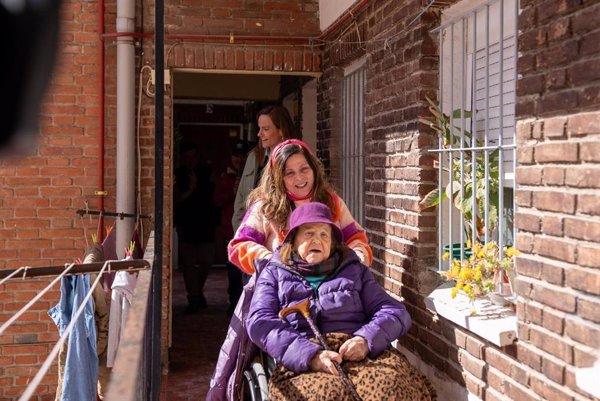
302, 308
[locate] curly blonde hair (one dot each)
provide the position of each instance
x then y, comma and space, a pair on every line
276, 207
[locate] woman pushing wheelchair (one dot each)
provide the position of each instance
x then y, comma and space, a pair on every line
318, 311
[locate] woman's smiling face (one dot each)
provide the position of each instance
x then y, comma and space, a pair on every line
298, 177
313, 242
268, 133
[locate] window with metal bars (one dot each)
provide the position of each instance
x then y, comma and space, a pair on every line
352, 156
475, 120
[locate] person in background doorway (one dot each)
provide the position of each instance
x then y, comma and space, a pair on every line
274, 126
196, 218
224, 197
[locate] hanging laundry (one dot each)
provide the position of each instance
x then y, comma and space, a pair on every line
121, 297
79, 367
109, 245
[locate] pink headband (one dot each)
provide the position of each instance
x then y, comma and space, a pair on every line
283, 144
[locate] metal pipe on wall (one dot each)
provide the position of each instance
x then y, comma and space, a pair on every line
125, 124
100, 191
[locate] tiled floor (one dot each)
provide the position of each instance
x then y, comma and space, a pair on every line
197, 339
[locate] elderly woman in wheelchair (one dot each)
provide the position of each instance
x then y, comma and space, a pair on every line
318, 311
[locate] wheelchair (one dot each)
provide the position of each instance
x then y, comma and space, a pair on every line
256, 378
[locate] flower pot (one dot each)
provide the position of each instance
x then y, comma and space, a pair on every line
455, 253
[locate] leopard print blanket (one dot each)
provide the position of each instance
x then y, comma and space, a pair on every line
389, 377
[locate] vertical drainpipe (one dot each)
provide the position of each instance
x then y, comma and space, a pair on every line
100, 191
125, 124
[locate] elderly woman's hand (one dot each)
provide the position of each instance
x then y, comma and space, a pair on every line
322, 362
354, 349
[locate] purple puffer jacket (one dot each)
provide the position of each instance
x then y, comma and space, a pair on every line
348, 301
237, 350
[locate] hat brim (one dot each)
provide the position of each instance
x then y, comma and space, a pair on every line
335, 230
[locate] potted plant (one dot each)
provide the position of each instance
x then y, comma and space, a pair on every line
485, 273
473, 175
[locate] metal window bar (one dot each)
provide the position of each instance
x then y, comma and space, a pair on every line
467, 24
352, 156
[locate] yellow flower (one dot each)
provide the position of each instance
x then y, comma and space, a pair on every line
445, 256
454, 292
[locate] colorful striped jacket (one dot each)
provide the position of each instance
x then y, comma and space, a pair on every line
257, 238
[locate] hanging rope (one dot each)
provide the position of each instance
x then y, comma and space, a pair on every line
13, 274
34, 300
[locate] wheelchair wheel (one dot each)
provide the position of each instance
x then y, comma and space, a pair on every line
262, 381
255, 386
250, 390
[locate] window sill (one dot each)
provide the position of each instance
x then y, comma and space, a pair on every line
497, 324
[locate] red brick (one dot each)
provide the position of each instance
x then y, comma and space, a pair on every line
525, 242
552, 344
529, 175
583, 177
556, 152
553, 320
523, 287
583, 332
589, 151
538, 130
554, 369
528, 266
589, 308
588, 255
553, 273
523, 132
553, 176
584, 124
554, 201
555, 298
525, 155
555, 127
516, 392
498, 360
474, 386
555, 248
552, 225
583, 229
548, 391
523, 198
588, 204
587, 280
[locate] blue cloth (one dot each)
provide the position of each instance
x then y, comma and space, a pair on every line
81, 365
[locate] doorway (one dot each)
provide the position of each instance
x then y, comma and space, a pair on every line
215, 112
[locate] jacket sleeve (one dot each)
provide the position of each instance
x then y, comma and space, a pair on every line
273, 335
389, 319
354, 235
246, 186
248, 243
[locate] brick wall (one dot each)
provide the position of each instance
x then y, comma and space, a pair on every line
41, 191
557, 196
398, 168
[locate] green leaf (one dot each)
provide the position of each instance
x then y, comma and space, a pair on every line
456, 114
430, 200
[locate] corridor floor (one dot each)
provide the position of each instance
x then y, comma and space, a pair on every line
197, 339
